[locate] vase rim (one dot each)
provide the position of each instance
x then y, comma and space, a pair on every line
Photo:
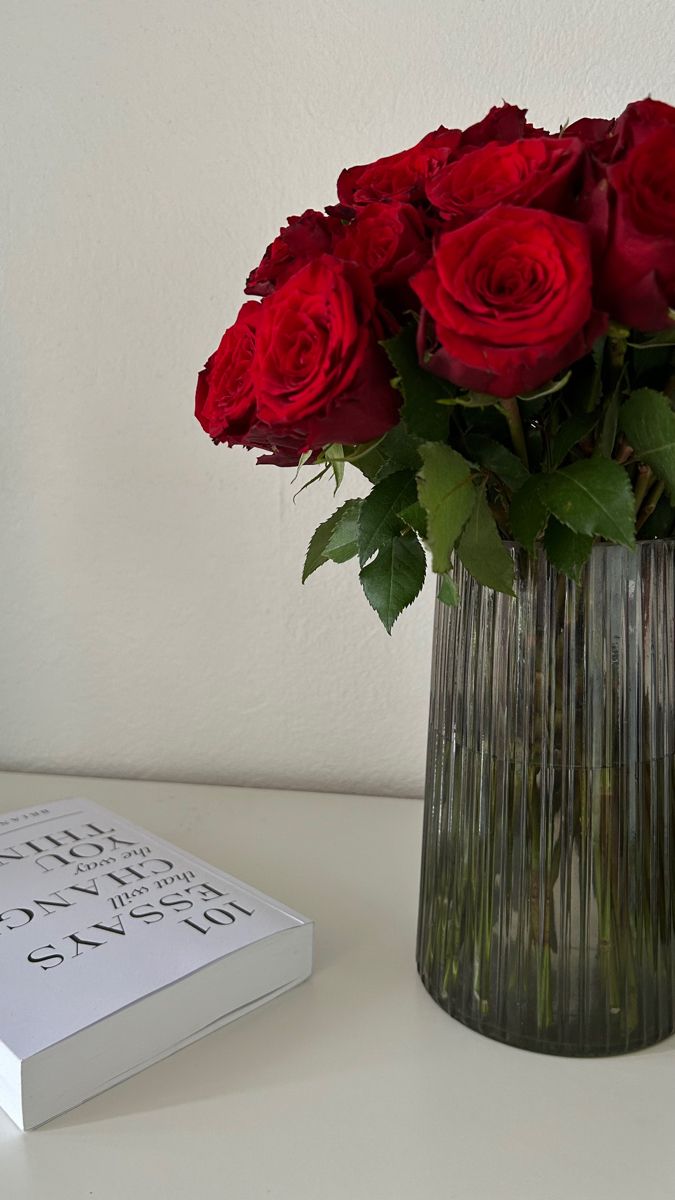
667, 541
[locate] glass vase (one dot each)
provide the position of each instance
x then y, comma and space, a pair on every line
547, 914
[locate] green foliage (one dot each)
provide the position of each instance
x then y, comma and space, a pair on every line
421, 412
587, 456
648, 421
315, 478
447, 592
389, 453
594, 497
567, 436
501, 462
415, 516
394, 577
402, 448
379, 519
568, 551
317, 550
665, 337
548, 389
302, 461
334, 455
481, 550
471, 400
447, 495
529, 514
343, 542
609, 425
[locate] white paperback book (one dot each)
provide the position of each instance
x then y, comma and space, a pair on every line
116, 949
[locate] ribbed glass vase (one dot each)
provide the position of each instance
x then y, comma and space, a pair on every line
547, 913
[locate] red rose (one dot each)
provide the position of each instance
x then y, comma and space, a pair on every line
541, 172
317, 365
399, 176
597, 134
638, 268
638, 121
610, 140
225, 402
590, 129
303, 239
510, 295
389, 240
503, 123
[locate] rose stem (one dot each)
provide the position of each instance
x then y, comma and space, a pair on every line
623, 451
512, 414
643, 483
650, 503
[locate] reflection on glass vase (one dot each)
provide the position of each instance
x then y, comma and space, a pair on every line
547, 914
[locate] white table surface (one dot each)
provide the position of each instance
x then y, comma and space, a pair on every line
354, 1086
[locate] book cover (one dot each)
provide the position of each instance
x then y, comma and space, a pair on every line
97, 913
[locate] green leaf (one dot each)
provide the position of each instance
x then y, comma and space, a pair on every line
500, 461
401, 448
481, 550
394, 578
568, 551
447, 592
594, 497
548, 389
528, 514
396, 449
648, 422
343, 543
609, 425
471, 399
666, 337
415, 516
314, 479
421, 390
379, 519
335, 456
316, 552
447, 494
370, 462
569, 435
304, 458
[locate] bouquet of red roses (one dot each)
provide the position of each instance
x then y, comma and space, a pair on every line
483, 325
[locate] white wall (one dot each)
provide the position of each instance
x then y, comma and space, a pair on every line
152, 621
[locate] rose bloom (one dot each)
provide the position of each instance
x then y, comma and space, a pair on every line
301, 240
503, 123
389, 240
398, 176
317, 366
510, 296
610, 140
225, 403
596, 133
638, 268
541, 172
638, 121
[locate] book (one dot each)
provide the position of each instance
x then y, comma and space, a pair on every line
116, 949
